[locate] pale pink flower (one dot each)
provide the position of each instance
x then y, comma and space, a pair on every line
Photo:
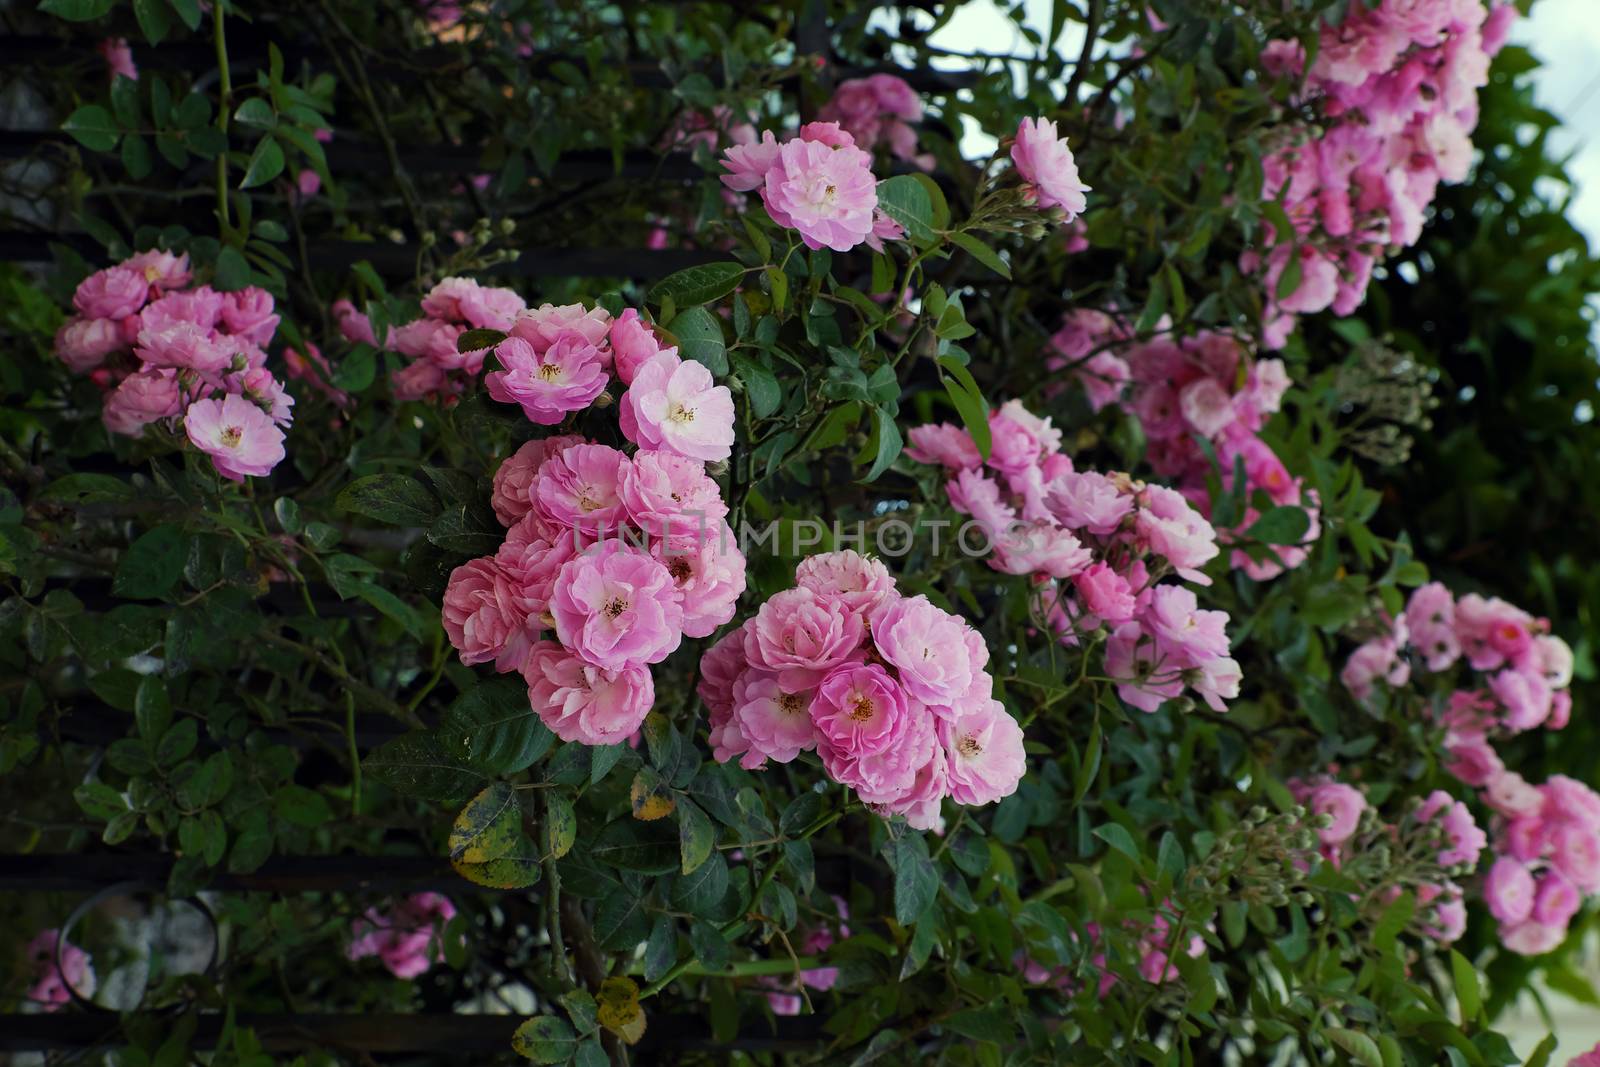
859, 710
677, 406
827, 194
141, 398
1048, 171
633, 342
928, 646
1374, 660
944, 445
1343, 804
1532, 938
1510, 794
84, 344
1431, 620
1465, 839
546, 324
484, 617
983, 750
748, 163
976, 494
163, 270
1217, 681
513, 479
1182, 629
616, 607
579, 489
775, 724
1206, 406
1175, 530
119, 58
112, 293
240, 438
1105, 594
880, 774
921, 803
1041, 547
1558, 900
1509, 890
720, 668
1088, 501
1524, 695
1473, 761
584, 703
249, 313
1131, 660
663, 491
802, 636
707, 570
58, 968
859, 582
530, 559
184, 346
548, 385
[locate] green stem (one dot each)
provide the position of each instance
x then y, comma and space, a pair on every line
355, 753
224, 105
755, 968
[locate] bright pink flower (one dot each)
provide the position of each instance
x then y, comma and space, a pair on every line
885, 769
483, 616
445, 298
1509, 890
353, 324
928, 646
141, 398
1049, 173
826, 133
776, 725
421, 380
1182, 630
677, 406
1105, 594
827, 194
84, 344
859, 582
546, 324
1088, 501
633, 342
802, 636
1473, 761
240, 438
1533, 939
983, 748
617, 607
1465, 839
581, 702
720, 668
1175, 530
976, 494
1558, 900
579, 489
184, 346
112, 293
530, 559
407, 939
119, 58
707, 571
249, 313
564, 378
513, 479
945, 445
1343, 804
1041, 548
200, 307
748, 163
58, 968
663, 491
859, 710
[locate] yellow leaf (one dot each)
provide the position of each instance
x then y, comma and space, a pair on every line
619, 1009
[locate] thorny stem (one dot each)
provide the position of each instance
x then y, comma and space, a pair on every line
224, 104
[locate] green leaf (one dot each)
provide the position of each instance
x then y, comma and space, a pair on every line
963, 391
700, 338
416, 765
99, 801
1289, 280
982, 253
701, 892
153, 564
760, 386
1285, 525
397, 499
906, 201
152, 709
696, 836
266, 163
560, 824
1541, 1054
1357, 1045
256, 113
544, 1039
492, 728
488, 827
155, 19
984, 1024
698, 285
93, 127
232, 272
475, 340
1118, 838
75, 489
301, 806
1468, 992
136, 158
357, 371
916, 882
188, 11
889, 444
648, 847
76, 10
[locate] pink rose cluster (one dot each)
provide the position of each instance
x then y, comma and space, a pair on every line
879, 109
1396, 87
407, 939
1342, 806
890, 691
1183, 390
163, 352
1546, 837
1048, 170
615, 557
1095, 546
784, 998
818, 183
437, 371
52, 983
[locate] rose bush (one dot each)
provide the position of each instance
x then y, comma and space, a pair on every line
983, 602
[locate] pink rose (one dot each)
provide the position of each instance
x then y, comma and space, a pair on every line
249, 313
665, 492
140, 399
1105, 594
1343, 804
1206, 406
529, 559
58, 969
578, 489
112, 293
983, 749
353, 324
928, 646
748, 164
1048, 171
1175, 530
827, 194
1182, 630
1088, 501
84, 344
944, 445
1509, 891
163, 270
184, 346
775, 724
801, 637
1532, 938
483, 617
240, 438
581, 702
633, 343
1557, 901
720, 668
546, 324
676, 406
707, 571
514, 478
549, 385
858, 582
617, 607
